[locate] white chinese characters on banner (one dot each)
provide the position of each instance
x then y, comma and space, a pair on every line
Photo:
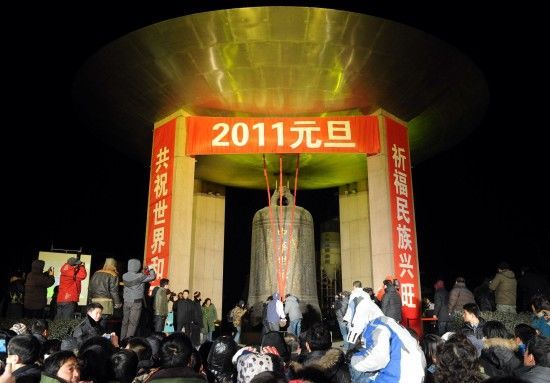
404, 229
299, 134
160, 190
158, 264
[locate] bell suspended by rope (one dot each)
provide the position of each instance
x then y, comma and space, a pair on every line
282, 252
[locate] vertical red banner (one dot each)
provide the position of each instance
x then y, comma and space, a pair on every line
157, 245
405, 255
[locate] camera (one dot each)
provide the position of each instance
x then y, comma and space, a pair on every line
108, 336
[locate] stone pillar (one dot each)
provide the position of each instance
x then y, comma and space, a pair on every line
208, 242
380, 211
355, 234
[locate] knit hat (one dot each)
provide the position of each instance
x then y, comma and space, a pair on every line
74, 261
19, 328
249, 365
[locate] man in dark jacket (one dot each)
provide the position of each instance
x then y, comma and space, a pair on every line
134, 289
473, 322
391, 302
36, 287
185, 311
441, 307
340, 307
23, 352
91, 325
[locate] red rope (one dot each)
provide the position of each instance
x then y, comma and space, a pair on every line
271, 220
281, 229
289, 252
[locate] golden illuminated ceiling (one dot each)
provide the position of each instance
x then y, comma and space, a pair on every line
280, 61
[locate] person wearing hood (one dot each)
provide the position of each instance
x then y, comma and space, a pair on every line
355, 318
459, 296
134, 288
275, 313
504, 284
104, 289
71, 276
387, 353
36, 287
292, 309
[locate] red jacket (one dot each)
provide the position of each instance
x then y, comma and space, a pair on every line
69, 283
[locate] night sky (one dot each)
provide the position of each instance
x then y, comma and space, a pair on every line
480, 202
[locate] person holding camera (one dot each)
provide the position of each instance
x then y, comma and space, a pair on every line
134, 288
36, 287
72, 274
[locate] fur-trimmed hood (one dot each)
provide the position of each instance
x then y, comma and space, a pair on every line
509, 344
321, 366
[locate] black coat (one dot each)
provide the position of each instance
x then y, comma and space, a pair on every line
327, 366
87, 329
36, 286
498, 357
185, 313
441, 304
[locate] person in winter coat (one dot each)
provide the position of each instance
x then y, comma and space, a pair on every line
209, 317
160, 305
498, 357
536, 361
134, 289
484, 296
23, 353
356, 315
275, 313
459, 296
340, 308
388, 352
391, 302
36, 287
292, 309
237, 314
91, 325
185, 313
16, 290
321, 363
504, 285
104, 288
71, 276
541, 321
473, 322
441, 307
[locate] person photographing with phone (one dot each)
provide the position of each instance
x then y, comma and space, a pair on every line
73, 272
36, 287
134, 288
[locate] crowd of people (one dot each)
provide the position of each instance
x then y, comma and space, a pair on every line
376, 348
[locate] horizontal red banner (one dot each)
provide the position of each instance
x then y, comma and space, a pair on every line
242, 135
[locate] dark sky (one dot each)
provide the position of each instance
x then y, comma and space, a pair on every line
476, 204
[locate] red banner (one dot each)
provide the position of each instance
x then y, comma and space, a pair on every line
240, 135
403, 224
157, 245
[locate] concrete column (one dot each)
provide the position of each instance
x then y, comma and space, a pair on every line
380, 211
182, 210
355, 235
208, 242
